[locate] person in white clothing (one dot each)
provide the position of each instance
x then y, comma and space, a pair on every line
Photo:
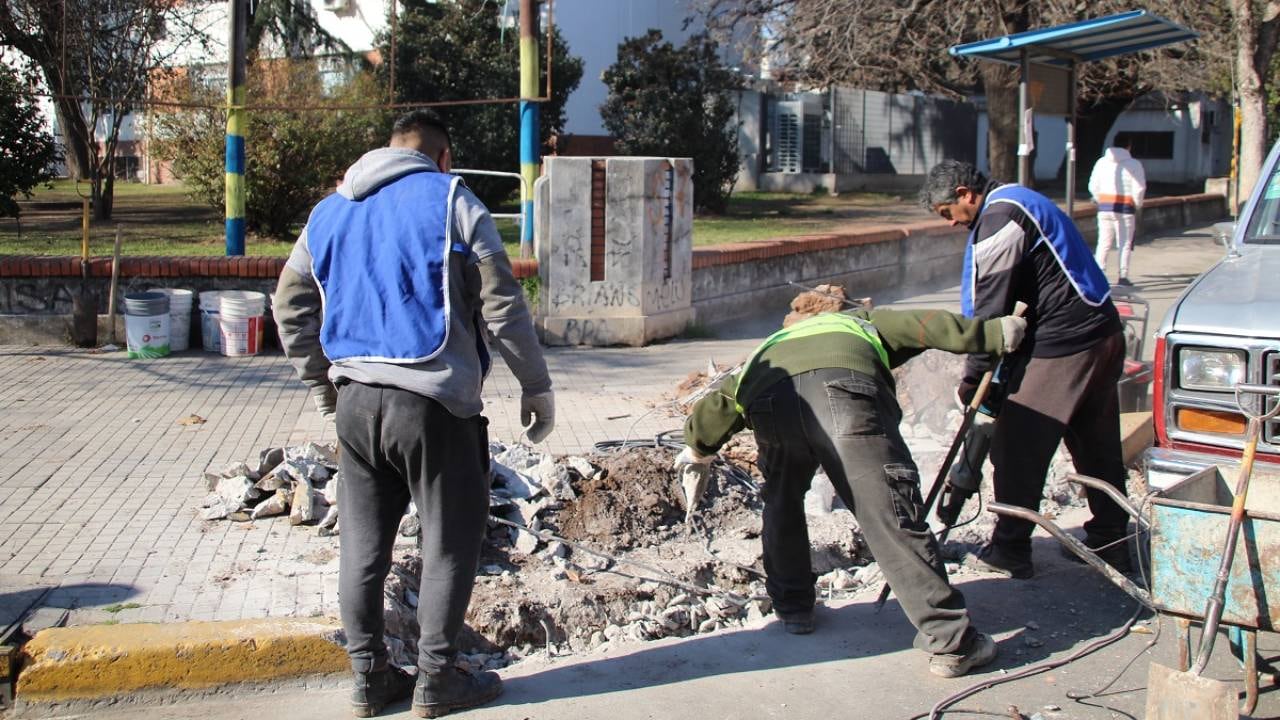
1118, 185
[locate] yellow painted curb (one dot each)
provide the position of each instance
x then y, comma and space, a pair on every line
1137, 433
100, 661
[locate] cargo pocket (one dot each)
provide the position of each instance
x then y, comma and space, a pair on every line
852, 402
904, 491
760, 420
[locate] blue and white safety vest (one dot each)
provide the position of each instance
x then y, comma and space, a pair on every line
382, 263
1062, 237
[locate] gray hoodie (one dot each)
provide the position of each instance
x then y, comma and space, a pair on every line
483, 292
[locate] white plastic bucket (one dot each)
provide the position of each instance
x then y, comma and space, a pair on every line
179, 317
146, 324
210, 327
242, 318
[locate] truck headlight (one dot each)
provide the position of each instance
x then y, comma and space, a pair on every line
1215, 370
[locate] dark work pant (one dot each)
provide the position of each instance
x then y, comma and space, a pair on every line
1072, 399
396, 446
847, 424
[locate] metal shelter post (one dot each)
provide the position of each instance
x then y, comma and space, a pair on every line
1071, 139
1024, 135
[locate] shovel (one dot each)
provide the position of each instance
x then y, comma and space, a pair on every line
1173, 695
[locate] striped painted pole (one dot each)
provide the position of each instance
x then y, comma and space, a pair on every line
530, 158
236, 126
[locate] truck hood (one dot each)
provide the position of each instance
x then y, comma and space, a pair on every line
1238, 296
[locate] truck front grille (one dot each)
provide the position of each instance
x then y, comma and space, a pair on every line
1271, 369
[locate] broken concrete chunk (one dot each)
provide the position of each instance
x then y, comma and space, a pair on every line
511, 483
526, 542
555, 478
236, 490
273, 481
303, 505
268, 459
581, 465
277, 504
330, 519
312, 453
331, 490
211, 500
528, 511
211, 481
217, 512
410, 524
236, 469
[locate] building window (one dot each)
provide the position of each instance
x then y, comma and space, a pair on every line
1147, 145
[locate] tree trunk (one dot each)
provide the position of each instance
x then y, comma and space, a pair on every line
74, 139
1000, 82
105, 198
1255, 34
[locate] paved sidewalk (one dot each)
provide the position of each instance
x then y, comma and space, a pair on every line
100, 484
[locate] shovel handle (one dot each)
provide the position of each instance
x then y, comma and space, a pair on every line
1217, 599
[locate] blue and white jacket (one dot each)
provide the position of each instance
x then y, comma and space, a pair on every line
1022, 247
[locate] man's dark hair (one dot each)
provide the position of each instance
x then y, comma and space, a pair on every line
941, 183
422, 121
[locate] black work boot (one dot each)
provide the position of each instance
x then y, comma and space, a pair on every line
797, 623
378, 688
453, 688
1002, 560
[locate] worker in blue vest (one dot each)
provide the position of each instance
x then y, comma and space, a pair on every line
383, 308
1023, 248
820, 393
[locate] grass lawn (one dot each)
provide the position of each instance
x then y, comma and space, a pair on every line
163, 220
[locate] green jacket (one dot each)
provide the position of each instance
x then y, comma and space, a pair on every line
903, 334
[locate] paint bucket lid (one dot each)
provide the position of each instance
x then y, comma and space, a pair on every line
146, 303
179, 298
243, 303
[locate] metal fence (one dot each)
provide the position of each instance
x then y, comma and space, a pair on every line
848, 131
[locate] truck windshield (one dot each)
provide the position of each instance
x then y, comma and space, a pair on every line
1264, 223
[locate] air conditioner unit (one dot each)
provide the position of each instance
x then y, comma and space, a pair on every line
337, 5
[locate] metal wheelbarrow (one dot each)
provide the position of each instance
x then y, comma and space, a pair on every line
1186, 523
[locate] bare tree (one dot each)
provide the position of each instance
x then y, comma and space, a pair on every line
901, 45
98, 58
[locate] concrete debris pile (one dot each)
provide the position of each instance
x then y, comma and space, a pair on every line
603, 556
301, 482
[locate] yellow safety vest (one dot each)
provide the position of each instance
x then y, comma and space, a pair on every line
825, 323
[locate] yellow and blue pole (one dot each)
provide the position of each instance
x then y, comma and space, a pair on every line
236, 126
530, 158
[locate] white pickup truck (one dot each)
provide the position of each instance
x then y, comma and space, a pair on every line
1223, 330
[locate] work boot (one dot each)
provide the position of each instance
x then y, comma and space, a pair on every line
1113, 552
453, 688
1001, 560
797, 623
979, 651
379, 688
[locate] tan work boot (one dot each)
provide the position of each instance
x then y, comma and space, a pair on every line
981, 650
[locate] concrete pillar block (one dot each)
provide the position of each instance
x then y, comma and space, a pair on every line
615, 251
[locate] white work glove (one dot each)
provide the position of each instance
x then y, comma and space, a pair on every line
694, 471
1014, 329
325, 398
538, 415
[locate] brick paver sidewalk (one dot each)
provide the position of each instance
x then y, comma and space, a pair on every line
100, 483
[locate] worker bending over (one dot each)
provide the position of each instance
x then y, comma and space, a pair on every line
819, 393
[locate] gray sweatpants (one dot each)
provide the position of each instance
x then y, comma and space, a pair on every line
396, 446
847, 423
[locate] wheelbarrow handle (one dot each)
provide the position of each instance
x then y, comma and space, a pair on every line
1077, 547
1111, 491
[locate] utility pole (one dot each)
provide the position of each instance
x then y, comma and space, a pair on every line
239, 24
530, 157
